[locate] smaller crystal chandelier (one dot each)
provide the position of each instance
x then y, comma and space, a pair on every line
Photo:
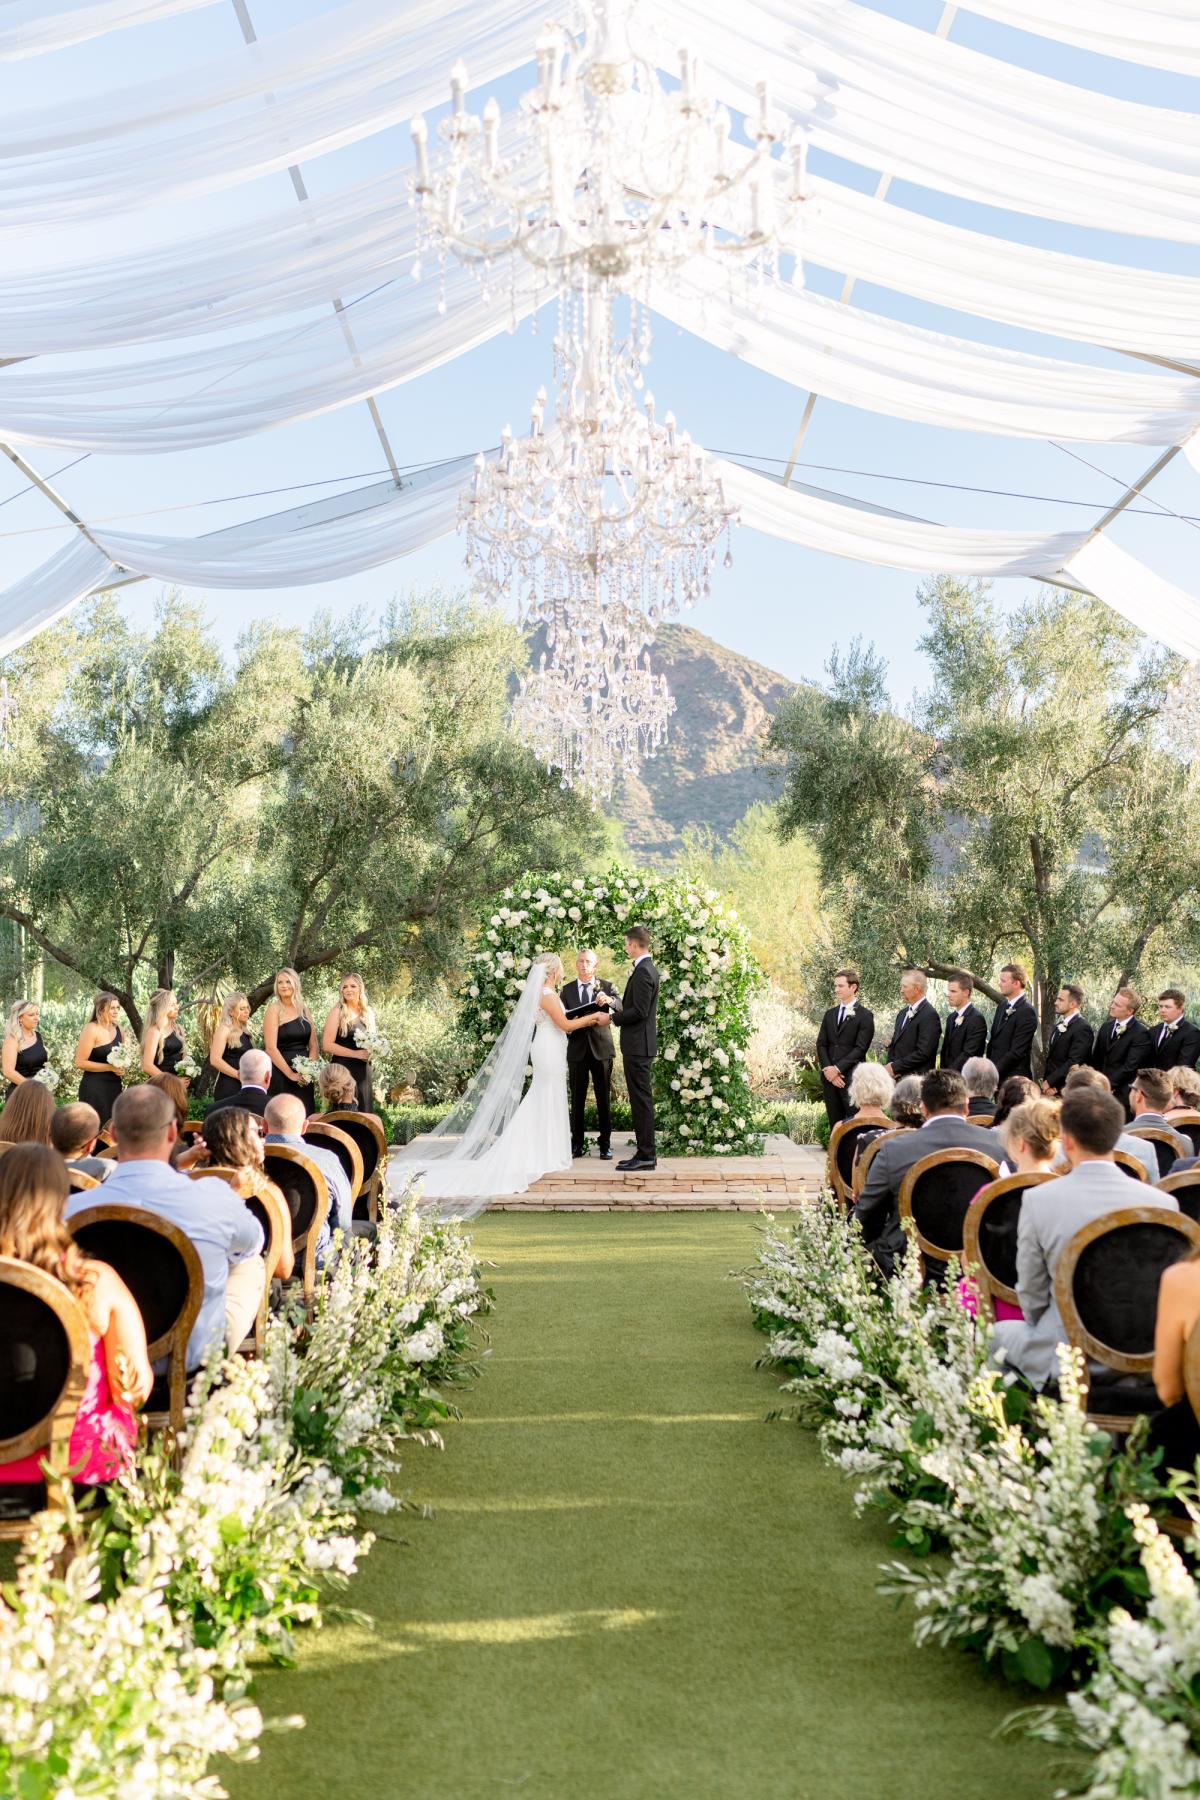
593, 725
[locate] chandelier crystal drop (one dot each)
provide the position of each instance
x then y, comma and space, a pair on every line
609, 179
593, 725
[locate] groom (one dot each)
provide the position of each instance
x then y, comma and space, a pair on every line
637, 1016
589, 1056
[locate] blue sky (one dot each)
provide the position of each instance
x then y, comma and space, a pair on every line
784, 606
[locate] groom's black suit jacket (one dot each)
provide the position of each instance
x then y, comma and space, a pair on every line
598, 1039
637, 1015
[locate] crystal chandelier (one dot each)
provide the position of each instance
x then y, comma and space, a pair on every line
593, 725
609, 178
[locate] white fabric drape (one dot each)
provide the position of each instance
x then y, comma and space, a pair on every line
37, 600
30, 27
883, 94
1163, 34
1155, 606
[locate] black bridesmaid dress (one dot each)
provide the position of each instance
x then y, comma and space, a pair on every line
33, 1057
226, 1085
98, 1090
292, 1040
361, 1072
173, 1052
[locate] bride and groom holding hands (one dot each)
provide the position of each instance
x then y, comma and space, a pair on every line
495, 1142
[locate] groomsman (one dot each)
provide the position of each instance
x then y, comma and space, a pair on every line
1123, 1045
913, 1046
965, 1035
1071, 1041
842, 1043
1175, 1042
1014, 1026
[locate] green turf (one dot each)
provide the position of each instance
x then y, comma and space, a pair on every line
630, 1587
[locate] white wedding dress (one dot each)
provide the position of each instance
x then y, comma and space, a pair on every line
496, 1143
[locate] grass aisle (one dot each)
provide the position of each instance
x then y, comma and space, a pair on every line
633, 1589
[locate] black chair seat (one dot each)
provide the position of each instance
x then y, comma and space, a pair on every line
21, 1499
1124, 1395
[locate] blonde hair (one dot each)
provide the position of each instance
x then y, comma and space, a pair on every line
1186, 1083
1036, 1123
27, 1115
33, 1198
156, 1018
552, 961
365, 1012
226, 1015
338, 1087
298, 1000
13, 1028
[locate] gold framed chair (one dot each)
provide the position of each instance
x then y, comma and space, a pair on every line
989, 1249
1166, 1145
1126, 1160
1188, 1125
864, 1156
839, 1156
367, 1130
1186, 1189
936, 1194
334, 1137
268, 1210
81, 1182
306, 1193
45, 1355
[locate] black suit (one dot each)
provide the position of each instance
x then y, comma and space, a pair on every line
845, 1046
590, 1057
1179, 1047
1120, 1057
961, 1040
637, 1017
913, 1046
1066, 1050
250, 1099
1010, 1046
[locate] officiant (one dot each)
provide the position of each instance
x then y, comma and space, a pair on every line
590, 1056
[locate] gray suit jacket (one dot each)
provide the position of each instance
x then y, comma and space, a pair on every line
1050, 1217
877, 1207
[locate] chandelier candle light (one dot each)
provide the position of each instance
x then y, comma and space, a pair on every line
591, 724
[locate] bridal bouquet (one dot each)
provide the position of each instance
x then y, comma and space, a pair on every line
118, 1060
307, 1069
188, 1067
48, 1077
373, 1042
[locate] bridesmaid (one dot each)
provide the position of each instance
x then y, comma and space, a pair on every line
289, 1032
163, 1047
350, 1015
97, 1041
24, 1052
230, 1042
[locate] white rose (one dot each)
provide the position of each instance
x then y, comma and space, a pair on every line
573, 912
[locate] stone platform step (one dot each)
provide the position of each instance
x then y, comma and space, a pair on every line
776, 1180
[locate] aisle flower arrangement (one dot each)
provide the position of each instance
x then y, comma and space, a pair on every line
125, 1653
708, 978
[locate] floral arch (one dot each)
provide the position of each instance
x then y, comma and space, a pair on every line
702, 1098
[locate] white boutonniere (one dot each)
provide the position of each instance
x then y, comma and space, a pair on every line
1119, 1027
850, 1012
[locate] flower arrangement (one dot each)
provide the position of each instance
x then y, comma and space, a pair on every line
48, 1077
375, 1043
307, 1069
708, 980
118, 1059
187, 1067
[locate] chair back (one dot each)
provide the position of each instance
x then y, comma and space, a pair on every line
867, 1153
368, 1133
45, 1355
839, 1158
990, 1236
161, 1267
936, 1195
1106, 1283
1187, 1124
332, 1137
1165, 1148
1186, 1189
190, 1130
268, 1212
983, 1120
307, 1196
1132, 1165
80, 1181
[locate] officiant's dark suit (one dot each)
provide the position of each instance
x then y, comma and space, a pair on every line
965, 1036
913, 1046
1010, 1047
843, 1041
1066, 1050
637, 1018
590, 1056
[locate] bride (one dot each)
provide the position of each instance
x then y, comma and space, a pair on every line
494, 1142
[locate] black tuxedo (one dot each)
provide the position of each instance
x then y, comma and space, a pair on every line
1010, 1046
637, 1018
1121, 1057
844, 1046
590, 1056
962, 1041
913, 1046
1066, 1050
1179, 1048
250, 1099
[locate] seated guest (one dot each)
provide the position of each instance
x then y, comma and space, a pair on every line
905, 1104
285, 1125
1071, 1040
176, 1090
233, 1140
982, 1079
1174, 1431
1132, 1146
965, 1036
27, 1114
1185, 1090
1031, 1135
913, 1045
1014, 1025
870, 1090
1051, 1215
33, 1197
1013, 1093
944, 1105
339, 1090
73, 1133
254, 1071
228, 1239
1122, 1044
1174, 1040
1149, 1097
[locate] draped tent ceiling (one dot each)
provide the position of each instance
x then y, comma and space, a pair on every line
867, 88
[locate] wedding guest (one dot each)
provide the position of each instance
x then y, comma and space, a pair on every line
1174, 1430
913, 1046
1031, 1135
254, 1073
99, 1038
230, 1042
981, 1080
338, 1089
163, 1046
1149, 1098
227, 1237
871, 1088
1174, 1040
905, 1105
73, 1133
965, 1035
1051, 1214
27, 1115
232, 1140
1013, 1093
24, 1052
289, 1032
1141, 1148
1185, 1090
346, 1025
847, 1030
1122, 1044
1071, 1041
33, 1200
1014, 1025
176, 1090
286, 1121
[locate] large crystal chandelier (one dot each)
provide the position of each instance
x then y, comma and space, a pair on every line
593, 724
609, 178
